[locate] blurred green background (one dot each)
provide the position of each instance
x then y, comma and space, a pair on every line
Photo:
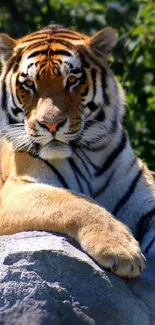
133, 58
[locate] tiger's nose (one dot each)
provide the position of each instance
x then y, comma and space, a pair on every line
53, 126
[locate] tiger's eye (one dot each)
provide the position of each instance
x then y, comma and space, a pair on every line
29, 83
71, 79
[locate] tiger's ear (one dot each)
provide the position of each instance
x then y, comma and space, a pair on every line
102, 42
7, 45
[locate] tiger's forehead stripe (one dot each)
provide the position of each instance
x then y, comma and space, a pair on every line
34, 39
32, 45
53, 31
49, 53
70, 63
52, 34
46, 44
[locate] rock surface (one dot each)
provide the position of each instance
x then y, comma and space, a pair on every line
45, 279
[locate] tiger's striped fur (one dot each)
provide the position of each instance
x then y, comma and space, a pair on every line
61, 103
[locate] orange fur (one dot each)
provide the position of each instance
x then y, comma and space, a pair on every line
26, 203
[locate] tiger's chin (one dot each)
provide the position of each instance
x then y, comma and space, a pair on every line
55, 150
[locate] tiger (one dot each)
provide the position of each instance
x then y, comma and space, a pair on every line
67, 165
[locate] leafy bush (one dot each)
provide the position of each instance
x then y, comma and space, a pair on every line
134, 55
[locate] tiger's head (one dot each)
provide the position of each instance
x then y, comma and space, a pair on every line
57, 91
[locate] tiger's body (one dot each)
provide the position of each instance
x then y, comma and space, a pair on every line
66, 162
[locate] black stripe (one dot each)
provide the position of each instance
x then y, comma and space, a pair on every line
11, 63
62, 42
11, 120
92, 106
101, 147
84, 163
113, 126
40, 52
128, 194
115, 153
42, 64
58, 29
67, 34
35, 45
3, 103
149, 246
45, 32
79, 184
77, 173
60, 177
75, 70
90, 57
62, 36
75, 167
93, 75
97, 147
148, 215
31, 64
24, 74
56, 71
16, 111
103, 188
88, 124
52, 52
13, 100
16, 66
42, 32
104, 86
62, 31
100, 116
85, 64
31, 39
85, 93
62, 52
128, 170
89, 161
144, 224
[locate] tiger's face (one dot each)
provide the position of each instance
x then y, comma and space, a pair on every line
55, 82
49, 92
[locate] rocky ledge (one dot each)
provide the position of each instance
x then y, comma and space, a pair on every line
45, 279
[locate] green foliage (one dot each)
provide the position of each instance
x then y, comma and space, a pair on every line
133, 61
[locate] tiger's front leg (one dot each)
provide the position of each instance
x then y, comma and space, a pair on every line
34, 206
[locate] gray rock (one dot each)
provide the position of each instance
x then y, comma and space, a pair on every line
45, 279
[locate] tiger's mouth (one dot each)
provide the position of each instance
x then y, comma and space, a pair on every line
57, 145
55, 149
42, 146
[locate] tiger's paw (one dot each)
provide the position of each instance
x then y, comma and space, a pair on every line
115, 250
